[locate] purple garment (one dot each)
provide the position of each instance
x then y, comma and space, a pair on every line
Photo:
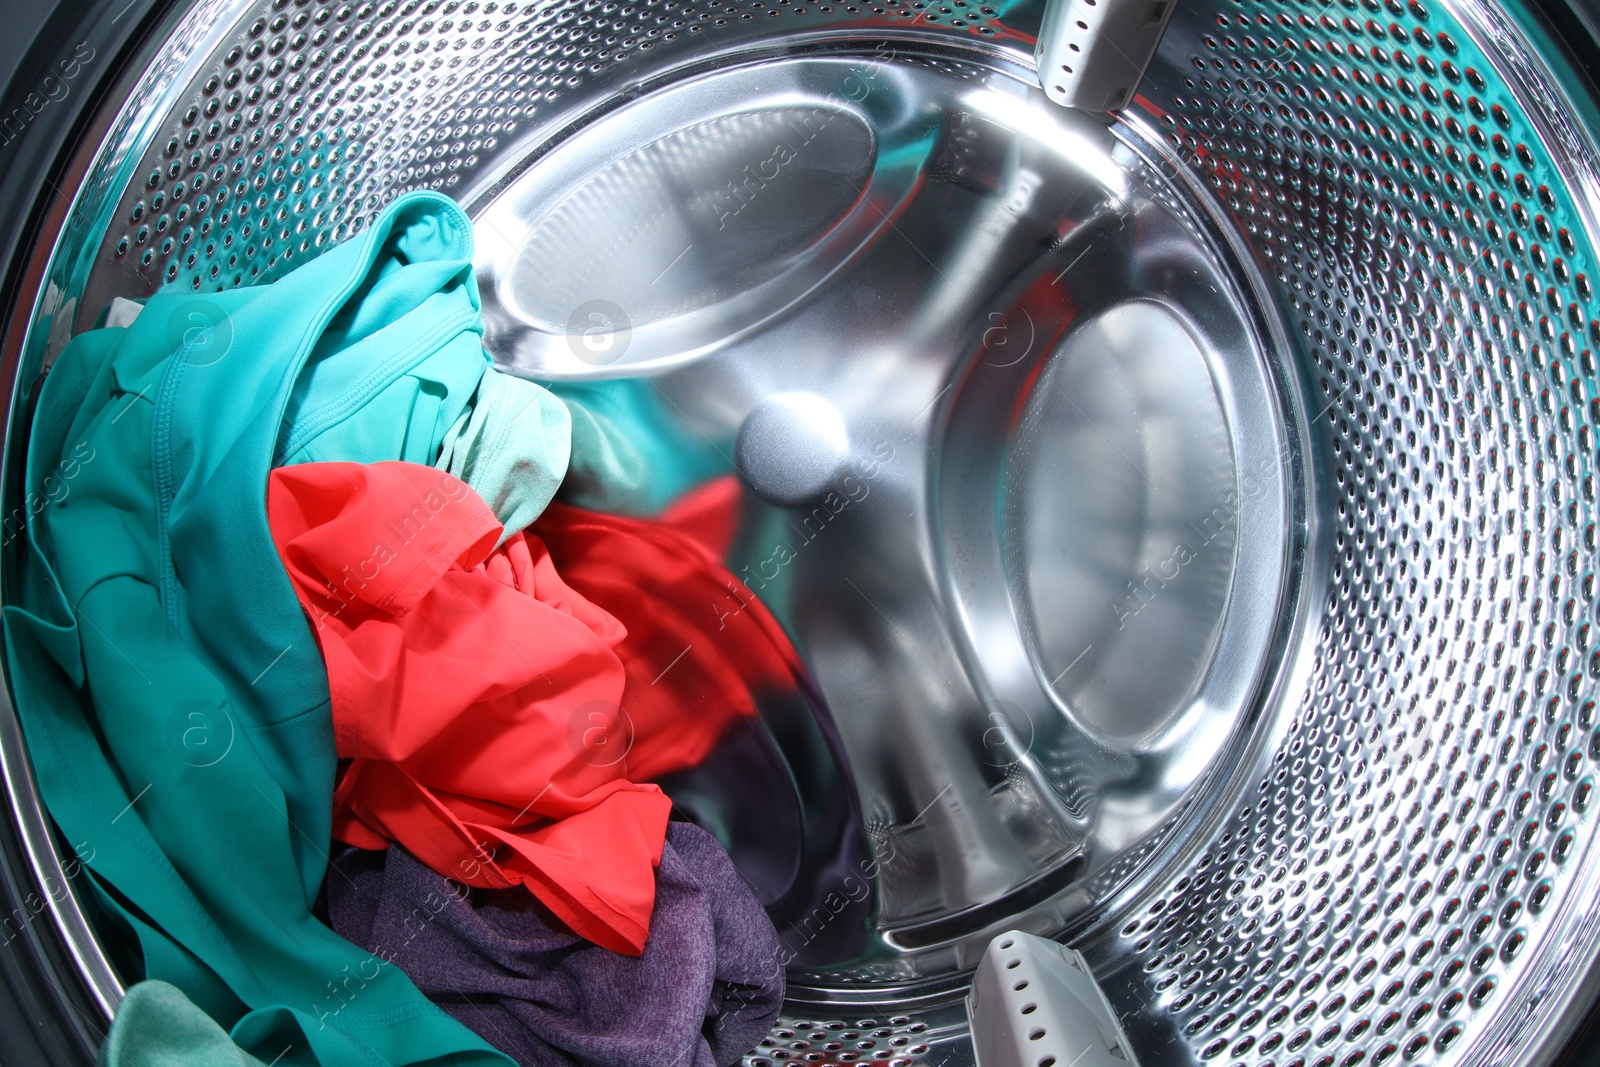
705, 991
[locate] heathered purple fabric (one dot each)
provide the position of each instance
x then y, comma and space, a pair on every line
705, 991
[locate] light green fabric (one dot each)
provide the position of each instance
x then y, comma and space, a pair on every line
512, 447
173, 699
157, 1026
520, 445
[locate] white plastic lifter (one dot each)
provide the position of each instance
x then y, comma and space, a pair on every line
1035, 1004
1092, 54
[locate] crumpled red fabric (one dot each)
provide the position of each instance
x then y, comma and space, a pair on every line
498, 706
700, 648
456, 671
709, 515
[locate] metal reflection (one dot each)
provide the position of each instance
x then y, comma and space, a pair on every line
994, 449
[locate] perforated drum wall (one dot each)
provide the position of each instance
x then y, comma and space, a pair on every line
313, 116
1411, 877
1396, 872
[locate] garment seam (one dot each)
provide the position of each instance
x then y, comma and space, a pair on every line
311, 425
166, 398
161, 478
454, 544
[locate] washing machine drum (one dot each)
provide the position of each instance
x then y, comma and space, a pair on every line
1186, 515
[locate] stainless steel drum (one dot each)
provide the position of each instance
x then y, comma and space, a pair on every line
1187, 516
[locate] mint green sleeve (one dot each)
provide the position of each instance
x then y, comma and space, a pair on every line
512, 447
157, 1026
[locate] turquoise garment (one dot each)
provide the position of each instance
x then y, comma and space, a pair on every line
157, 1026
388, 333
512, 448
632, 452
181, 738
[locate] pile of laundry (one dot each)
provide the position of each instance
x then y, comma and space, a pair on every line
347, 663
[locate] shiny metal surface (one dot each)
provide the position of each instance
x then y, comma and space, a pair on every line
769, 181
1412, 878
1348, 826
995, 440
